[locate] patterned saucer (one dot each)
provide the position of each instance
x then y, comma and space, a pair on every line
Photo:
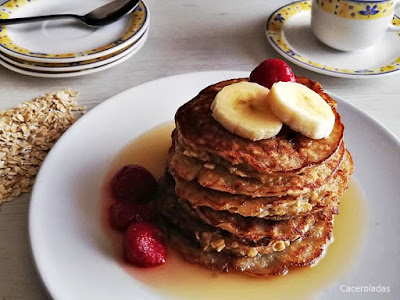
66, 41
288, 30
73, 66
66, 74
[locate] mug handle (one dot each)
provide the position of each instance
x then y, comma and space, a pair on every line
391, 26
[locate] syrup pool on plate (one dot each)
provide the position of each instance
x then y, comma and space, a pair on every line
177, 279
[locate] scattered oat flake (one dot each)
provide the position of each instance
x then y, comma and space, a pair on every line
27, 133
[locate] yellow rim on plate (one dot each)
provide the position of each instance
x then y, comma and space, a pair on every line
274, 33
72, 73
138, 23
72, 66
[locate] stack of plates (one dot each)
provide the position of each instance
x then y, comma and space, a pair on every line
65, 48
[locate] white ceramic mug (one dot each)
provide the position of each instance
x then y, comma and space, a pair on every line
349, 25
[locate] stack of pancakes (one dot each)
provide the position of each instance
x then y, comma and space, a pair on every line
232, 204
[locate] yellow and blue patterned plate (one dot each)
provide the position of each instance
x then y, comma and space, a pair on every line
70, 73
288, 30
73, 66
69, 43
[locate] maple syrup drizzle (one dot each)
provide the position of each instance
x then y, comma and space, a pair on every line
181, 280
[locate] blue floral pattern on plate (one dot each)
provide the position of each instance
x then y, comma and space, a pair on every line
279, 18
369, 11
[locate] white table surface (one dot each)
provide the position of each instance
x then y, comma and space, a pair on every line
185, 36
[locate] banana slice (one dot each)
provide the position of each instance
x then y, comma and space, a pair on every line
242, 109
301, 109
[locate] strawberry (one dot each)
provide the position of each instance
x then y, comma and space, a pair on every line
271, 71
133, 183
123, 214
143, 245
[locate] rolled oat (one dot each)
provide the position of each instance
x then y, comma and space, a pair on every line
27, 133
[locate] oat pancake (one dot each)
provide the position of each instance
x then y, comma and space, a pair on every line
262, 207
230, 245
251, 228
220, 179
211, 238
287, 152
300, 253
265, 207
321, 171
183, 164
227, 244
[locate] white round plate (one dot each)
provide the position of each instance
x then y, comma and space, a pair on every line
65, 41
74, 66
87, 71
288, 30
74, 257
